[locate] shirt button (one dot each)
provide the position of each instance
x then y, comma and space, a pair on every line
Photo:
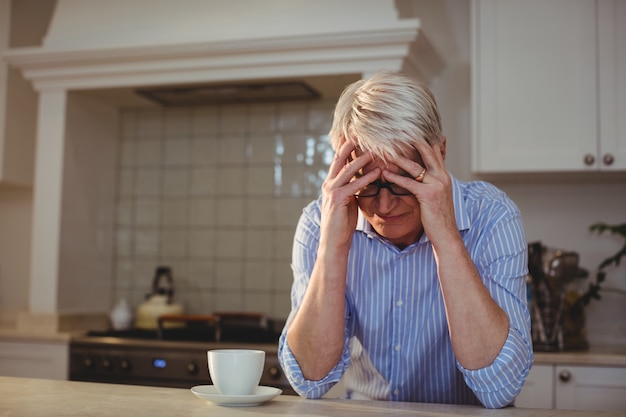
396, 392
398, 347
399, 303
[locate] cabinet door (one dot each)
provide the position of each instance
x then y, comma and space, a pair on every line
534, 87
538, 391
34, 360
612, 66
590, 388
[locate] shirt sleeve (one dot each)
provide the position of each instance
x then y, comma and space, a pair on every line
498, 384
503, 268
304, 387
304, 254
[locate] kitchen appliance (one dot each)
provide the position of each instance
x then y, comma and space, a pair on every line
159, 301
175, 356
552, 273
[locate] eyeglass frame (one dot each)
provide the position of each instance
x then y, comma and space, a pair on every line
388, 185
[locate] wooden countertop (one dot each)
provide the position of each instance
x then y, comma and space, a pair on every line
40, 397
595, 356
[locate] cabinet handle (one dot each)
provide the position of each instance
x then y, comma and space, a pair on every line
589, 159
608, 159
565, 376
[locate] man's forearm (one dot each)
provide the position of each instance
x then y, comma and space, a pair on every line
316, 334
478, 326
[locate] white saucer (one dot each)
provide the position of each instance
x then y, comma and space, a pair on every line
261, 395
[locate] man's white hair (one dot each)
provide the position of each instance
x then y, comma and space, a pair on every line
386, 115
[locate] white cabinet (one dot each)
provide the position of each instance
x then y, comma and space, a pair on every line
590, 388
538, 391
34, 359
574, 388
548, 85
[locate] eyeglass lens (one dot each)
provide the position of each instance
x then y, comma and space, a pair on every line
373, 189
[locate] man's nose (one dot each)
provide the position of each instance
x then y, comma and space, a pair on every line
385, 200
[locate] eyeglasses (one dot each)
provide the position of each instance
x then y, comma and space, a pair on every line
373, 189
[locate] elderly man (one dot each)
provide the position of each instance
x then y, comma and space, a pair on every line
407, 280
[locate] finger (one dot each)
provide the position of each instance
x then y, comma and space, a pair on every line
404, 182
413, 168
342, 155
431, 155
352, 164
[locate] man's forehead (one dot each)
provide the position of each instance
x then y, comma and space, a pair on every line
389, 166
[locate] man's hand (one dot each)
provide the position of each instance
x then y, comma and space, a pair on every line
339, 207
433, 192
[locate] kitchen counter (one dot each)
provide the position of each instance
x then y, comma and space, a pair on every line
10, 334
595, 356
41, 397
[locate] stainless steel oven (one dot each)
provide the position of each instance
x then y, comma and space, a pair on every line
173, 357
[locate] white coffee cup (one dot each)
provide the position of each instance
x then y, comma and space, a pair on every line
236, 371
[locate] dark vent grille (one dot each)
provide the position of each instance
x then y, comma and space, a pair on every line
230, 93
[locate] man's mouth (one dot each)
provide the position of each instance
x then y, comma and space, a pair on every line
390, 219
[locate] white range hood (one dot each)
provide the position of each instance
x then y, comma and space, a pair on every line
153, 42
117, 44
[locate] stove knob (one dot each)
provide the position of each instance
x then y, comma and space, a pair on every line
274, 372
107, 363
192, 368
88, 362
126, 365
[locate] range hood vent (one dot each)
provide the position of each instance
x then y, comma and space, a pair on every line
230, 93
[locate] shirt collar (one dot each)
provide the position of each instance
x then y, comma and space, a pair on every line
460, 211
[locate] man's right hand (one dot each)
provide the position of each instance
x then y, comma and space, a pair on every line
339, 206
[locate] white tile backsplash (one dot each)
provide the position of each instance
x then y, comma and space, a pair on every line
126, 183
232, 181
176, 183
178, 152
232, 150
202, 244
148, 153
149, 123
231, 212
204, 150
177, 122
147, 213
216, 192
147, 182
175, 212
204, 120
204, 181
203, 212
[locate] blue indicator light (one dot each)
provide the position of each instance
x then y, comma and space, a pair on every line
159, 363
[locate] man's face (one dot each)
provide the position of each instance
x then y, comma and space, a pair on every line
395, 217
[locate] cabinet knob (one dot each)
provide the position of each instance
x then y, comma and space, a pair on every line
589, 159
608, 159
565, 376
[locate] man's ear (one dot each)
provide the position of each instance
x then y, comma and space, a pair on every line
443, 147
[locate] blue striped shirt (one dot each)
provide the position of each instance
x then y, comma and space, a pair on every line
397, 346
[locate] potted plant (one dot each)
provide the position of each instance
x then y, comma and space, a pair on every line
575, 303
594, 287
